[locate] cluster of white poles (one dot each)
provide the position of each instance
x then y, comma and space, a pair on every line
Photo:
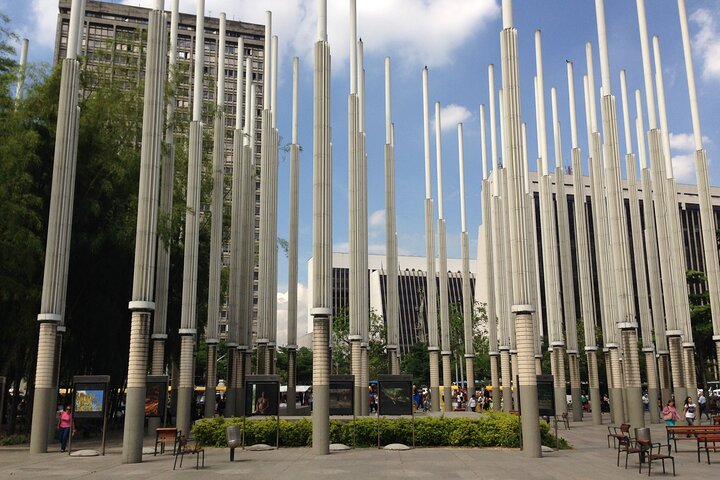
510, 261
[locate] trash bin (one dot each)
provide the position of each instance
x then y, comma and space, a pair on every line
642, 437
233, 439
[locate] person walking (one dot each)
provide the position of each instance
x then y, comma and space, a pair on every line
646, 402
689, 411
702, 403
670, 413
65, 421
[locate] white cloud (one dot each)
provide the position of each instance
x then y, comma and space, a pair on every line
377, 218
282, 313
684, 142
684, 168
707, 43
428, 33
45, 17
451, 115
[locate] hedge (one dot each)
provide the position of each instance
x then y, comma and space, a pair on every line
489, 430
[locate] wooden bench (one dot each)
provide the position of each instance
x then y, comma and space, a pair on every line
562, 419
165, 436
707, 442
689, 432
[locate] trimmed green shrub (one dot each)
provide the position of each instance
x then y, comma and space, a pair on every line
16, 439
489, 430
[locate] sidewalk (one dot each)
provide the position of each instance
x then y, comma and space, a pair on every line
590, 458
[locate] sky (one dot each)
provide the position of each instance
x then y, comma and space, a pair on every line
456, 39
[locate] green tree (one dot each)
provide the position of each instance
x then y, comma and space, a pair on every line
701, 320
416, 362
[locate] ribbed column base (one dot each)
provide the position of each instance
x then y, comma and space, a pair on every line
652, 390
495, 381
359, 391
664, 377
617, 407
211, 381
633, 387
133, 431
575, 389
594, 386
321, 386
364, 379
231, 391
470, 374
505, 374
434, 380
525, 341
690, 375
185, 385
44, 388
292, 381
677, 370
447, 383
559, 379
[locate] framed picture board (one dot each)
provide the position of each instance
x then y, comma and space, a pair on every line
262, 395
395, 394
90, 394
342, 397
156, 395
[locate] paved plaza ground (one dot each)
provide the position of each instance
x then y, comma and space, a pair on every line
589, 459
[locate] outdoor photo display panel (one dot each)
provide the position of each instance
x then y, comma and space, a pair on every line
395, 395
156, 395
90, 396
546, 396
262, 395
341, 394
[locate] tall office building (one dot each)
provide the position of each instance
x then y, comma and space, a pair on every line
412, 281
688, 207
113, 45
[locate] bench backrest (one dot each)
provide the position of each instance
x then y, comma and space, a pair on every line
693, 429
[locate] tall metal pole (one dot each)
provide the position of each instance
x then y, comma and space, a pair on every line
549, 243
236, 294
142, 304
518, 237
624, 315
167, 182
273, 270
293, 244
21, 70
487, 267
707, 219
676, 239
653, 262
356, 276
267, 244
583, 256
216, 226
393, 300
442, 271
568, 288
431, 287
468, 304
57, 251
188, 328
322, 239
646, 322
664, 213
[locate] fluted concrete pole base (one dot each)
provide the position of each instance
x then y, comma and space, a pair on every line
594, 387
45, 394
210, 388
559, 379
157, 368
495, 381
434, 380
231, 392
528, 381
292, 381
261, 358
575, 389
615, 391
133, 431
652, 390
392, 357
538, 366
447, 382
633, 386
664, 377
270, 360
470, 374
321, 386
185, 387
513, 381
364, 379
359, 392
505, 374
677, 369
690, 375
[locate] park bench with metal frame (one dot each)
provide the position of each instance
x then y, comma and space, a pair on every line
707, 442
166, 436
617, 432
186, 449
689, 432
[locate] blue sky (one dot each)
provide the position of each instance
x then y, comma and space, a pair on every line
457, 39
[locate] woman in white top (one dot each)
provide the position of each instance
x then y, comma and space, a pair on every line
689, 411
